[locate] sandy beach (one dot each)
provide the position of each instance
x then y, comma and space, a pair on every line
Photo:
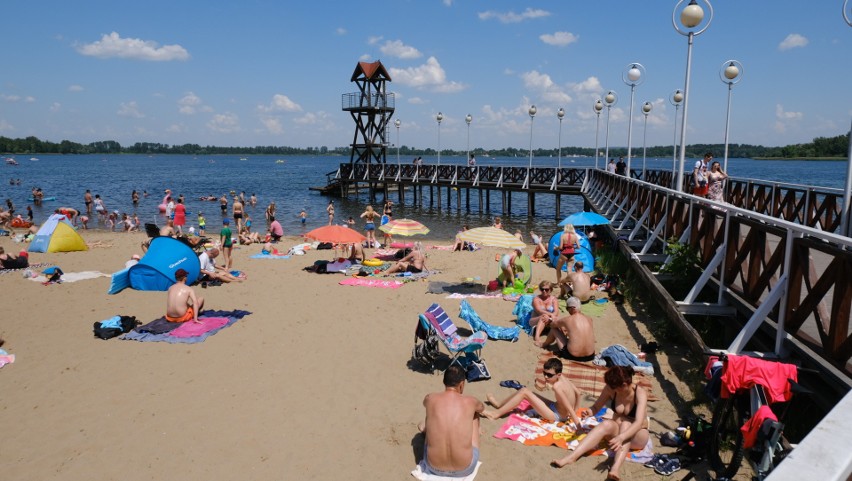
314, 384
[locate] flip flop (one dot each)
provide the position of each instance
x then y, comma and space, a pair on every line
511, 384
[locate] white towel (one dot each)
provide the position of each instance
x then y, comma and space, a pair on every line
420, 474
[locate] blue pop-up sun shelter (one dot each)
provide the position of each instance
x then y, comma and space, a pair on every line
583, 255
156, 270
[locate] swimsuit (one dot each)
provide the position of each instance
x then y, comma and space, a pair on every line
186, 317
632, 411
413, 269
567, 355
370, 226
238, 215
451, 474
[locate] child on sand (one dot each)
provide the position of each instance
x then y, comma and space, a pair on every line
202, 223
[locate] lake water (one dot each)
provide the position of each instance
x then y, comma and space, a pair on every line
287, 183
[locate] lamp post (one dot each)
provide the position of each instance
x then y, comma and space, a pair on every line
560, 114
468, 120
532, 112
730, 73
598, 107
610, 99
633, 75
675, 99
646, 109
439, 118
397, 123
691, 17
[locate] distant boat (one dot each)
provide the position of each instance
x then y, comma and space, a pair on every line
212, 161
243, 158
279, 161
11, 161
34, 159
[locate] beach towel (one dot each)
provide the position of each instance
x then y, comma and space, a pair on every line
6, 358
269, 256
535, 431
190, 332
588, 377
72, 276
419, 473
467, 313
494, 295
593, 308
360, 281
523, 312
23, 269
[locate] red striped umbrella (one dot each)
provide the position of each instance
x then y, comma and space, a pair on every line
404, 227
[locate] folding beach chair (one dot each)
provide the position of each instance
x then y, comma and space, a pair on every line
439, 322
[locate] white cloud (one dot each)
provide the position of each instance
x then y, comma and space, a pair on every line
448, 3
75, 88
544, 86
782, 115
272, 124
312, 118
280, 103
29, 99
416, 101
340, 31
395, 48
365, 57
559, 39
429, 76
6, 126
374, 40
224, 123
10, 98
176, 129
590, 85
112, 45
512, 17
792, 41
55, 107
189, 104
130, 109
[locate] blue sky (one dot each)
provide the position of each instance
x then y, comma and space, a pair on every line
263, 72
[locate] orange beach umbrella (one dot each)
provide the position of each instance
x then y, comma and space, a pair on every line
336, 234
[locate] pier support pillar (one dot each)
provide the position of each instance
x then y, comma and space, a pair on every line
467, 199
458, 198
530, 204
487, 200
558, 206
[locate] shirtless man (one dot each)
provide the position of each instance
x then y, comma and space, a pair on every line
168, 230
451, 427
414, 263
577, 283
237, 210
356, 252
564, 409
211, 270
223, 204
574, 334
182, 304
87, 199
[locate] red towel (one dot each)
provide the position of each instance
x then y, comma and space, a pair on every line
752, 427
743, 372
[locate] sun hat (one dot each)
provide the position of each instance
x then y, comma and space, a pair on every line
226, 221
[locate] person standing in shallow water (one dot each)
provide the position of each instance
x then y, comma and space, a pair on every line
330, 210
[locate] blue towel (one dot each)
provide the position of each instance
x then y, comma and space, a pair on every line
621, 356
114, 321
494, 332
523, 311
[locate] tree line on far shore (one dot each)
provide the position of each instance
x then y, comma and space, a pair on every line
821, 147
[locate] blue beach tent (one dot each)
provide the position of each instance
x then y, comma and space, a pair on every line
156, 270
584, 255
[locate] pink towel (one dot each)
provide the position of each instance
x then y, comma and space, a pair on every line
386, 284
193, 329
7, 359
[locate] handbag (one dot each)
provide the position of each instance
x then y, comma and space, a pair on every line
477, 371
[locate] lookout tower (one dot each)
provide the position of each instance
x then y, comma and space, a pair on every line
371, 109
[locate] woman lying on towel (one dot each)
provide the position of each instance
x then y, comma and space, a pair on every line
627, 428
8, 261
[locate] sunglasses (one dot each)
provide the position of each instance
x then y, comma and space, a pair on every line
546, 290
549, 375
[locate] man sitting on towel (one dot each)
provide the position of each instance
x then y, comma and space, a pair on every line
574, 334
211, 271
182, 304
414, 263
451, 427
577, 283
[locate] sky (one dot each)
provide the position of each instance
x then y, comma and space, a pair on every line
266, 72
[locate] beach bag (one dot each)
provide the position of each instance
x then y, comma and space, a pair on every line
124, 325
321, 267
325, 246
477, 371
695, 435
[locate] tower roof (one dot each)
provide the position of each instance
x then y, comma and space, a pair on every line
370, 70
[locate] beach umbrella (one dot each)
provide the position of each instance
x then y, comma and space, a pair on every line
336, 234
404, 227
491, 236
584, 219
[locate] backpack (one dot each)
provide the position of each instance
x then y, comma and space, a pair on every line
695, 436
425, 352
127, 324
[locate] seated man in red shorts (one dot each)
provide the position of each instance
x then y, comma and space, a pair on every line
182, 304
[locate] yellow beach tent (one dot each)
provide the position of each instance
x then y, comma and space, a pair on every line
57, 235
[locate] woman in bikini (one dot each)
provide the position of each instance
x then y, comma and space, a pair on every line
370, 216
627, 428
567, 246
545, 309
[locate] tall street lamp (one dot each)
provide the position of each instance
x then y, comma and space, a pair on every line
397, 123
610, 99
532, 112
646, 109
675, 99
632, 75
598, 107
468, 120
730, 73
439, 118
691, 17
560, 114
